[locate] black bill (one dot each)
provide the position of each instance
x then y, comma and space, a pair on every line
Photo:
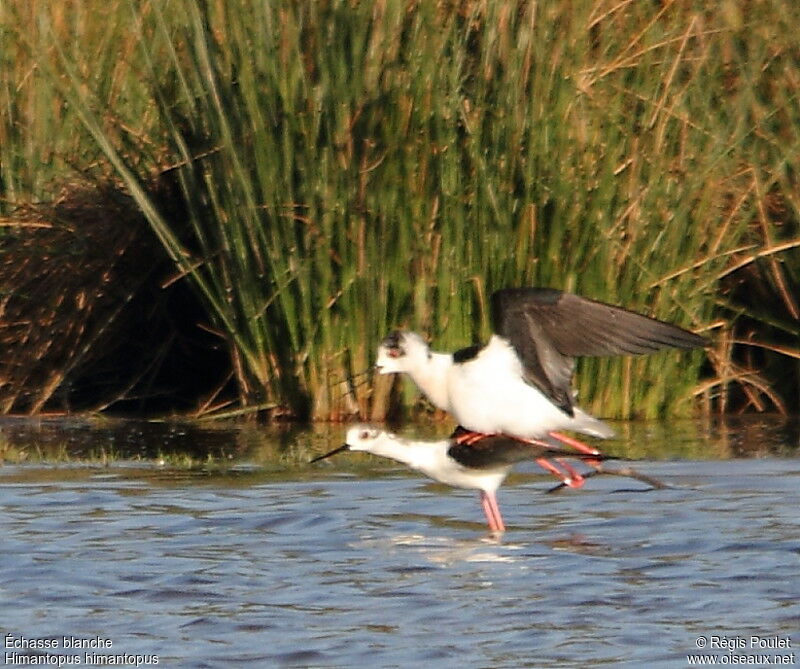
341, 448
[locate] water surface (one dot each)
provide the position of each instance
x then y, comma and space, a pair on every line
210, 548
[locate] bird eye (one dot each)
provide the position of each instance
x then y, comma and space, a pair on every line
364, 434
394, 352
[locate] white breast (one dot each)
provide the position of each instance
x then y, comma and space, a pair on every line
450, 472
488, 394
432, 459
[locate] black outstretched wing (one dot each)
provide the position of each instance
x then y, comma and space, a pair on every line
548, 328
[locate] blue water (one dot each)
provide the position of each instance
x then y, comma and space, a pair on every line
358, 563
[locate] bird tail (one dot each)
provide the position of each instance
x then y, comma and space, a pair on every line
585, 424
628, 472
592, 459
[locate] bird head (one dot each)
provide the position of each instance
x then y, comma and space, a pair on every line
401, 352
362, 437
358, 438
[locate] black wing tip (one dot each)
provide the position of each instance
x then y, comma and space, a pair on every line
697, 339
674, 336
691, 340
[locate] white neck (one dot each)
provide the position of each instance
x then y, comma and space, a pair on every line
431, 379
432, 459
415, 454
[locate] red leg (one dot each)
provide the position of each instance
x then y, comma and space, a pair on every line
469, 437
577, 479
533, 442
577, 445
572, 479
492, 511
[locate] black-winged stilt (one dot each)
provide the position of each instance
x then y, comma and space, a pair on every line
480, 463
519, 383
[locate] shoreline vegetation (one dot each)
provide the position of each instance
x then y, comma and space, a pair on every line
220, 208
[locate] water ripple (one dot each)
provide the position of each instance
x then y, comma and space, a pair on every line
392, 571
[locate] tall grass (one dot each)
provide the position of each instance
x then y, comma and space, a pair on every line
345, 168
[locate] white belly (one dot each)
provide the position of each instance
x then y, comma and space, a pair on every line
511, 408
487, 394
432, 459
462, 477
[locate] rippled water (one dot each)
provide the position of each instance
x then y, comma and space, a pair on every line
269, 562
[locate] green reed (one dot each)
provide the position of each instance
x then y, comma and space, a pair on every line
345, 168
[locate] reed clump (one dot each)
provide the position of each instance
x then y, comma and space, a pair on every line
63, 287
84, 322
345, 168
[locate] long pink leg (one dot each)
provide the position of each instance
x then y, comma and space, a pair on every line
492, 511
577, 479
569, 441
468, 437
572, 479
577, 445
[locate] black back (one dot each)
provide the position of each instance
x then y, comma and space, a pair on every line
498, 450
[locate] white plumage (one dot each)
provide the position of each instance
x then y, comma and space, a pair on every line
486, 394
481, 465
519, 383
